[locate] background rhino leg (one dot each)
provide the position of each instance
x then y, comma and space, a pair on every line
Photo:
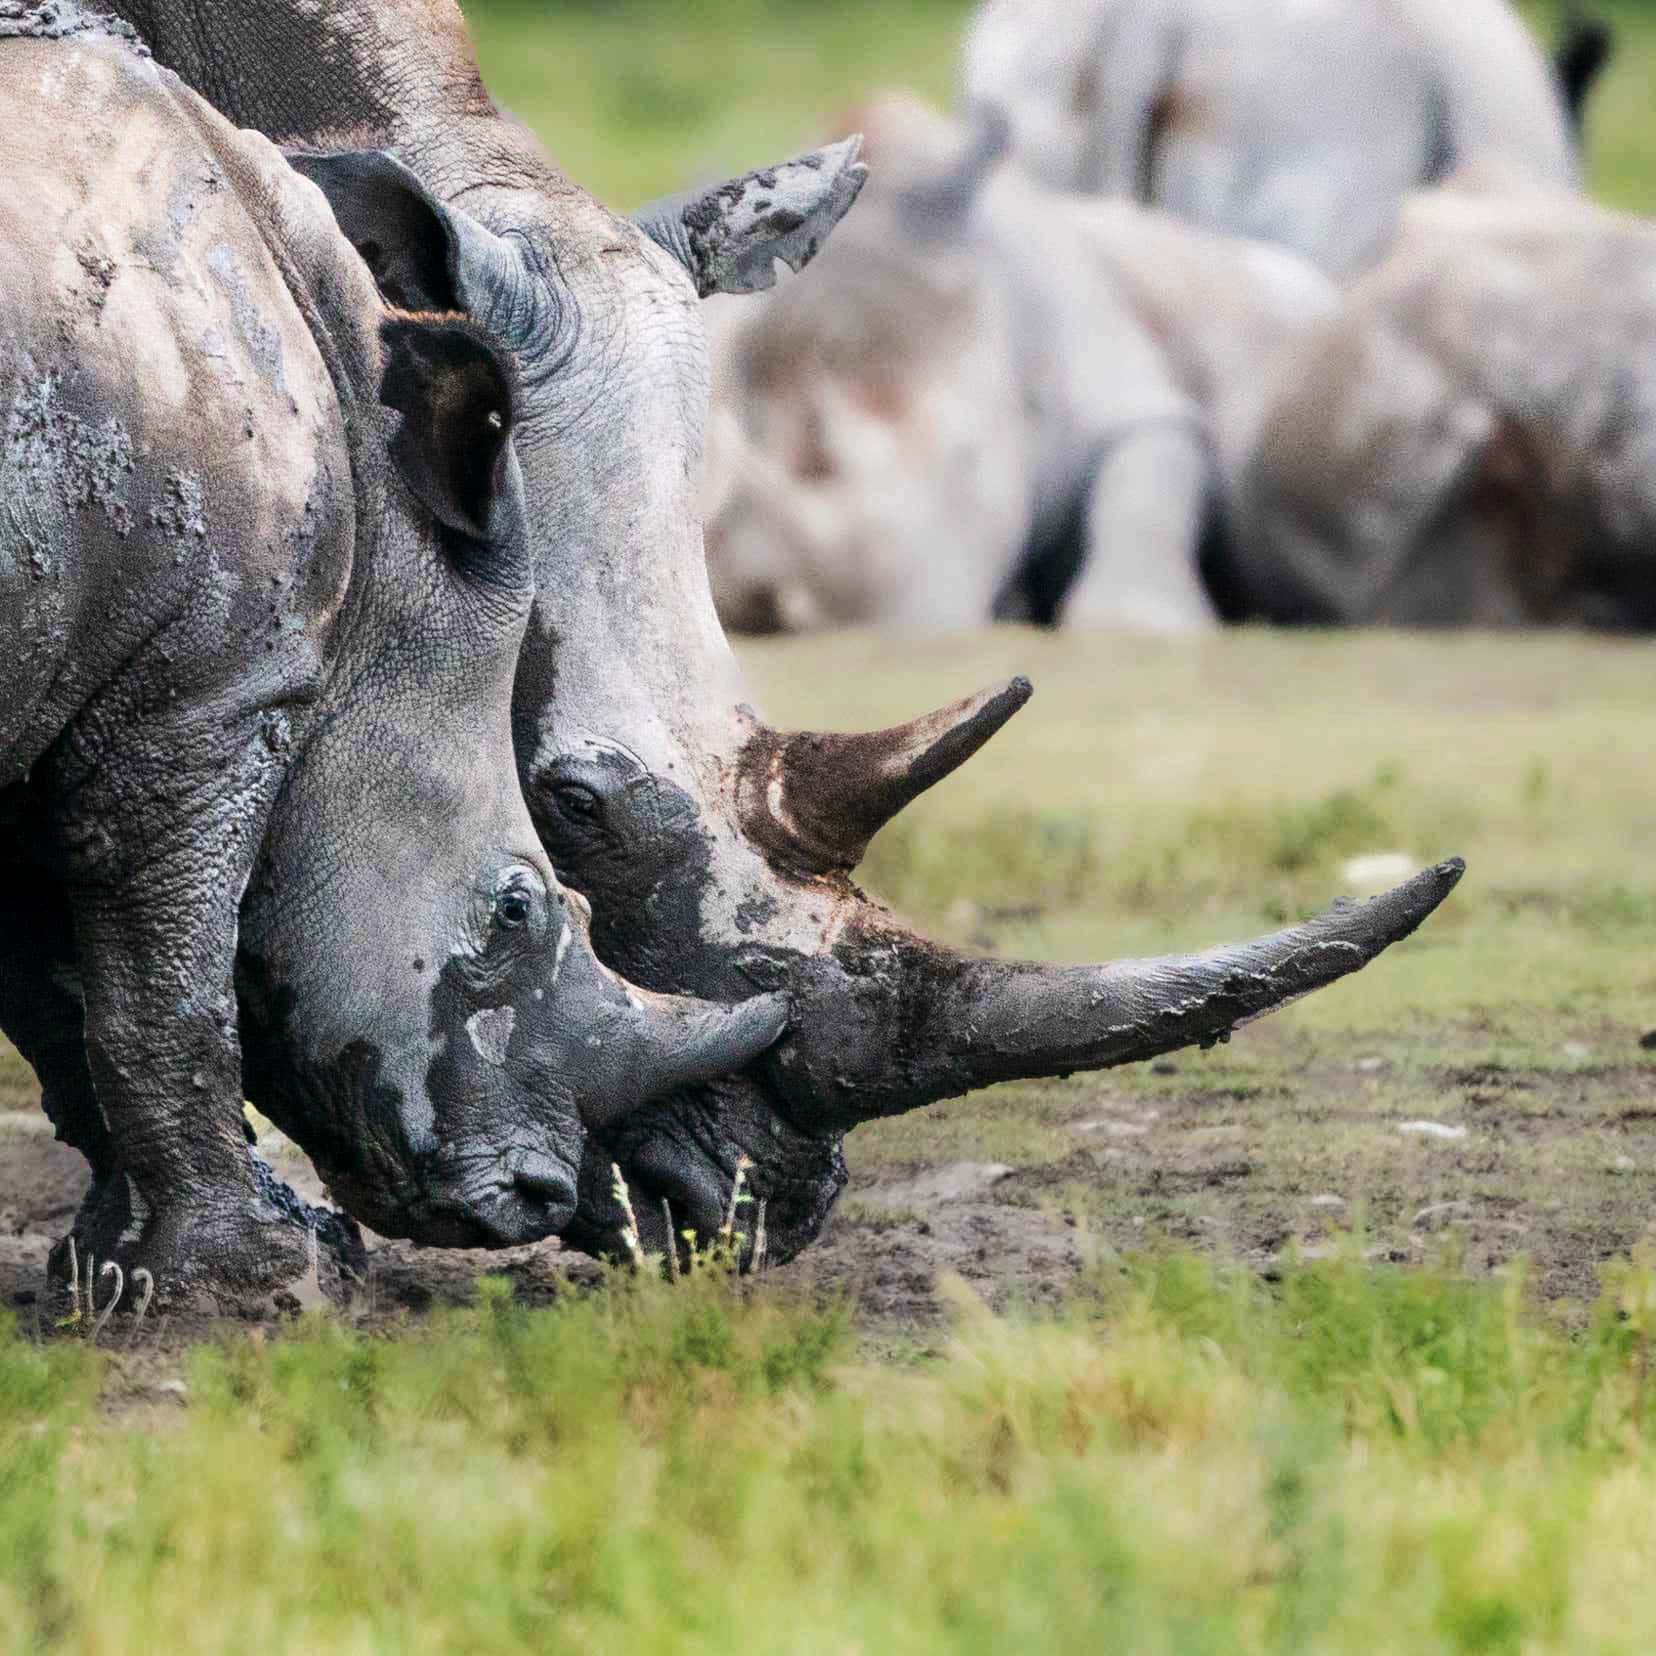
40, 1006
1146, 510
156, 850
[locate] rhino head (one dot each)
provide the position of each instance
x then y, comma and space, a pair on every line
716, 850
444, 1056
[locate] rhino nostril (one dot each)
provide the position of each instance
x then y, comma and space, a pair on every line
546, 1187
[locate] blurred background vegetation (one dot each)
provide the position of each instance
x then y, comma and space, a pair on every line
638, 97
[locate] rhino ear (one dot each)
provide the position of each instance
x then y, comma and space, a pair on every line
730, 237
454, 390
424, 256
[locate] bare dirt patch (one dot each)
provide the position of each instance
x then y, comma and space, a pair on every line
1486, 1162
1280, 1150
1278, 1147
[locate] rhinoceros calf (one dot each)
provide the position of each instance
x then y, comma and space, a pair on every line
1303, 122
1470, 440
990, 396
718, 849
259, 636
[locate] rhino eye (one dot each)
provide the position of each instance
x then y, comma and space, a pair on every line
514, 902
512, 909
578, 803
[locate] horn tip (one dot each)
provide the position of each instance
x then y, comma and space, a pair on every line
1398, 912
1438, 880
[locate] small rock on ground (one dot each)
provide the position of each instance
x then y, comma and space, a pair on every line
957, 1182
1440, 1215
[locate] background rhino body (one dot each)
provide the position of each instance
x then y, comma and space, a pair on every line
260, 640
716, 851
1471, 438
1302, 122
990, 397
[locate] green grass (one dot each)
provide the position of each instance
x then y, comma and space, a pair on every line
1157, 796
636, 99
1182, 1461
1228, 1455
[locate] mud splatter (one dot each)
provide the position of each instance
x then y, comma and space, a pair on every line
179, 512
60, 19
85, 464
100, 270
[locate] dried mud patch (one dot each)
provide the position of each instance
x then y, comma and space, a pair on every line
896, 1239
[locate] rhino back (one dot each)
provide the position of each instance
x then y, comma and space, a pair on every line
176, 488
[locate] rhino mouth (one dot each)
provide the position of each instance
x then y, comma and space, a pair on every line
679, 1160
483, 1201
679, 1199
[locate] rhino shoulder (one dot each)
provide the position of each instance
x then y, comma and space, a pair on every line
151, 308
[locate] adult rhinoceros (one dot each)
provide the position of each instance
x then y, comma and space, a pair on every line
1470, 440
258, 636
1303, 122
716, 849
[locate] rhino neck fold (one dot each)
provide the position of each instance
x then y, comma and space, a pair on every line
365, 74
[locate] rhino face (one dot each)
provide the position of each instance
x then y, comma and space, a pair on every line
717, 851
456, 1038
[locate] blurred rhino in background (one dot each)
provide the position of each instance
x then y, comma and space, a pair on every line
990, 399
1303, 122
1471, 439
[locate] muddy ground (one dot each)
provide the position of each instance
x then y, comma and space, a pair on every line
1273, 1147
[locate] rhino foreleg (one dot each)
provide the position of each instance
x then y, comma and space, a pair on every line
157, 850
1146, 505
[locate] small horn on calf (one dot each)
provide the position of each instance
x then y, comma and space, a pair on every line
914, 1023
664, 1042
815, 800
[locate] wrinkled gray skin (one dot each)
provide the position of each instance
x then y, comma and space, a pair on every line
1471, 439
716, 850
260, 635
990, 397
1303, 122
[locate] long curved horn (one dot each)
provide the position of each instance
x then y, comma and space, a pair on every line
815, 800
963, 1023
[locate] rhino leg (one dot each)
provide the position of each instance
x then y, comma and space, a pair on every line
40, 1006
1148, 503
156, 835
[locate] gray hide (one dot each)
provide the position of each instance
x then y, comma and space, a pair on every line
1303, 122
716, 850
259, 636
1471, 439
1006, 397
